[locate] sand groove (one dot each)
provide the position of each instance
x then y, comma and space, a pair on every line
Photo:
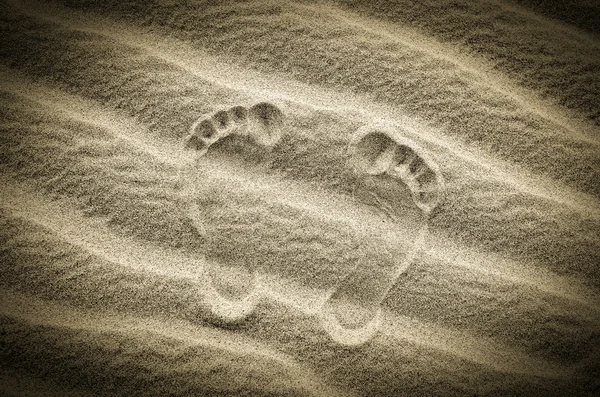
85, 234
479, 71
304, 198
223, 72
147, 334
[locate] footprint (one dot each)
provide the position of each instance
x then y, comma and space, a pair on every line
231, 291
398, 177
393, 173
262, 123
375, 152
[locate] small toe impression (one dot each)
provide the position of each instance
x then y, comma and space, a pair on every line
374, 152
267, 123
221, 119
351, 334
238, 114
420, 174
204, 129
194, 142
203, 133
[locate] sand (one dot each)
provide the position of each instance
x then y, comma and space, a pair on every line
299, 198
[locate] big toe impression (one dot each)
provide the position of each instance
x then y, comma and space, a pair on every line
266, 123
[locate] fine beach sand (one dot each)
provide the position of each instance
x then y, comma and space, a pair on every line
309, 197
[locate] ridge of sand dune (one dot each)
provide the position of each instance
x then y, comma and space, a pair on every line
91, 236
482, 73
152, 334
165, 152
557, 60
87, 112
551, 23
487, 353
37, 311
582, 14
165, 52
105, 270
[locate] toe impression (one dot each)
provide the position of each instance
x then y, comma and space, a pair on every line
263, 123
375, 152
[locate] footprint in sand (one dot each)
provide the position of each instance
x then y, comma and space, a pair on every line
231, 293
261, 123
392, 173
399, 178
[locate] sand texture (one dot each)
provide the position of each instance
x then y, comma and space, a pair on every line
308, 197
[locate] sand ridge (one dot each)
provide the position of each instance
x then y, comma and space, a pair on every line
312, 154
398, 328
476, 69
174, 153
221, 71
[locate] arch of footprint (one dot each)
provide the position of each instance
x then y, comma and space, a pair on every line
255, 225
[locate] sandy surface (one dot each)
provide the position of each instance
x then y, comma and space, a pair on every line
299, 198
